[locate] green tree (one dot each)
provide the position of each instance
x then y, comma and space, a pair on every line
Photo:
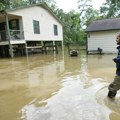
71, 21
6, 4
90, 16
49, 2
110, 9
83, 5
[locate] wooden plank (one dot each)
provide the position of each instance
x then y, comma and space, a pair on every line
34, 47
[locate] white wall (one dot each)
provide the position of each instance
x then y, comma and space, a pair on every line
105, 40
46, 21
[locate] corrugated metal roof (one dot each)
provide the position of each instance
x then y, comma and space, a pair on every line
104, 25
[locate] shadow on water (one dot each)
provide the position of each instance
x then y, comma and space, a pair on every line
57, 87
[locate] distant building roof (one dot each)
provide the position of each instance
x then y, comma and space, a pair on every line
104, 25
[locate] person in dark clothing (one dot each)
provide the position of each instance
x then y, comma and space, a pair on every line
115, 85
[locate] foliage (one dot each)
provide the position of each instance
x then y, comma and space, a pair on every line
71, 28
110, 9
83, 6
6, 4
89, 17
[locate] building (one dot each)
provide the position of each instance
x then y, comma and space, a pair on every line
102, 34
28, 28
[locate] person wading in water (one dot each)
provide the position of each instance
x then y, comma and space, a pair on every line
115, 85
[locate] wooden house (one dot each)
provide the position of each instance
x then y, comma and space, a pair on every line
28, 28
102, 34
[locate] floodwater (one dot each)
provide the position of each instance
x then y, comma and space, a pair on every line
58, 87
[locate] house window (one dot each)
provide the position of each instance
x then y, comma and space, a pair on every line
36, 27
55, 30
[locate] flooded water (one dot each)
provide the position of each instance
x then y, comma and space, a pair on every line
58, 87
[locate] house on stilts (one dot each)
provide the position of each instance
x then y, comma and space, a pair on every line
27, 28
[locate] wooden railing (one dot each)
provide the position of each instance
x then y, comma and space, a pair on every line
14, 35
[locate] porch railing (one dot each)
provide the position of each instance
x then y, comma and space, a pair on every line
14, 35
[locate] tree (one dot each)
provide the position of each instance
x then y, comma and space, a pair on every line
110, 9
71, 27
90, 16
83, 5
6, 4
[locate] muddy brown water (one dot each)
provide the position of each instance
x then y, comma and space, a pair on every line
58, 87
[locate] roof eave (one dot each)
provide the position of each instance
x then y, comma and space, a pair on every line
100, 30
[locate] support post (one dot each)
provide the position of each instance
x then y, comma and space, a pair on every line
8, 36
55, 47
62, 46
26, 49
42, 43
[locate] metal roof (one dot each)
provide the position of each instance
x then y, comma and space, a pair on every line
104, 25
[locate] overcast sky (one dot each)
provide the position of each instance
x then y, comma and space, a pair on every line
68, 5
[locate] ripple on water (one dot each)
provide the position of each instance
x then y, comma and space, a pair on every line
111, 105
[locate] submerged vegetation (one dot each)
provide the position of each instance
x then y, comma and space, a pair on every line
74, 22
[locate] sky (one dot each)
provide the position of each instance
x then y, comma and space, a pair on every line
68, 5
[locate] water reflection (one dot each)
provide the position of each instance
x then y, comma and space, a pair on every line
57, 87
